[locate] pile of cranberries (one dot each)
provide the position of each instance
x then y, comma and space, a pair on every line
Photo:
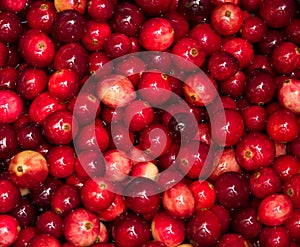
166, 123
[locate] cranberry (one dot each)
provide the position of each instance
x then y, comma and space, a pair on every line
44, 240
292, 31
255, 117
9, 196
29, 135
160, 225
50, 223
235, 85
292, 225
204, 228
41, 15
271, 39
24, 237
127, 19
232, 190
142, 195
65, 199
204, 194
195, 10
8, 140
223, 215
286, 166
255, 150
117, 45
271, 12
253, 29
8, 77
291, 188
154, 8
156, 34
10, 226
100, 10
265, 182
275, 209
10, 27
130, 230
97, 194
179, 24
232, 239
25, 213
11, 106
274, 236
222, 65
288, 95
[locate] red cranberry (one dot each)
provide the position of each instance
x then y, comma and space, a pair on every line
142, 195
127, 19
42, 194
100, 10
155, 8
253, 29
235, 85
42, 106
9, 196
31, 82
8, 140
241, 49
292, 189
117, 45
204, 228
292, 31
286, 166
195, 10
271, 12
10, 27
61, 160
156, 34
72, 56
130, 230
232, 239
10, 226
293, 226
49, 223
154, 243
223, 215
232, 190
41, 15
11, 106
265, 182
274, 236
204, 194
179, 24
25, 213
275, 209
285, 58
222, 65
8, 78
227, 132
255, 150
65, 199
255, 117
288, 95
271, 39
227, 18
29, 135
46, 240
24, 237
97, 194
37, 48
160, 225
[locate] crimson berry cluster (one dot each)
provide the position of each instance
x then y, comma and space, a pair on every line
64, 170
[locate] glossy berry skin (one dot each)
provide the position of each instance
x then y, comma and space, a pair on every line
275, 209
11, 106
65, 199
9, 139
255, 117
25, 213
232, 190
197, 11
68, 26
142, 195
292, 225
160, 228
222, 65
291, 189
97, 194
203, 228
155, 88
100, 10
63, 84
50, 223
60, 127
25, 235
156, 34
270, 12
127, 19
253, 29
232, 239
29, 135
31, 82
46, 240
81, 227
10, 226
245, 223
274, 236
179, 24
265, 182
41, 15
61, 160
10, 27
231, 134
37, 48
117, 45
9, 196
130, 230
282, 126
178, 201
255, 150
204, 194
227, 18
286, 166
